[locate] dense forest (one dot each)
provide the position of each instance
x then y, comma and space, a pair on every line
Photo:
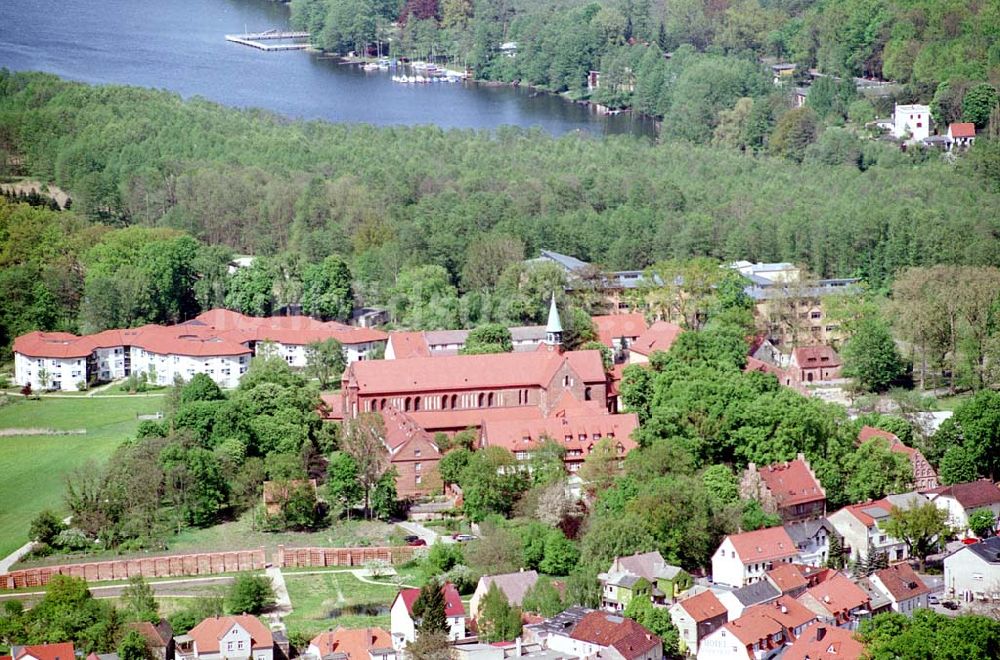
919, 44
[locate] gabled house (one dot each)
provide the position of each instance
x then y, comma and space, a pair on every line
696, 617
811, 364
837, 601
352, 644
860, 525
619, 331
665, 581
240, 637
789, 579
413, 452
924, 475
822, 642
598, 634
912, 122
744, 558
904, 588
973, 571
659, 337
513, 585
60, 651
963, 500
403, 623
762, 632
740, 600
159, 638
961, 134
812, 538
789, 489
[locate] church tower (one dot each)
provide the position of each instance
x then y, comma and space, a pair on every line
553, 329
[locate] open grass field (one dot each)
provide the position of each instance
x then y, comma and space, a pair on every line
34, 467
328, 600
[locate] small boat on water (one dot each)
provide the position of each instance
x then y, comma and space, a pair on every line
371, 66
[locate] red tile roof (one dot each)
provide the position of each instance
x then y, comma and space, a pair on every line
973, 494
409, 345
823, 642
207, 634
962, 130
863, 511
659, 337
60, 651
356, 642
627, 637
703, 607
792, 483
332, 407
526, 435
766, 544
902, 582
787, 611
869, 432
835, 595
617, 326
456, 372
452, 601
807, 357
155, 637
755, 625
445, 420
787, 577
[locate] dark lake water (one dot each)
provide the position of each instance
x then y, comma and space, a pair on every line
178, 45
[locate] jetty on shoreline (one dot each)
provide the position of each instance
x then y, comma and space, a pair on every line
257, 39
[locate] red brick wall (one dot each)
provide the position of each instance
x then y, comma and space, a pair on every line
148, 567
301, 557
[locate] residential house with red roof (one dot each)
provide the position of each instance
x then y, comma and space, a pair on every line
861, 527
239, 637
414, 454
961, 134
823, 642
619, 331
218, 343
742, 559
159, 638
576, 434
600, 634
60, 651
761, 632
963, 500
789, 489
924, 475
837, 601
696, 617
904, 588
659, 337
811, 364
352, 644
403, 623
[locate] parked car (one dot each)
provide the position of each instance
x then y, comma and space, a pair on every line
462, 538
410, 538
417, 542
933, 600
950, 605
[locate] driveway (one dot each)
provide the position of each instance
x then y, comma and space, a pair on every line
426, 533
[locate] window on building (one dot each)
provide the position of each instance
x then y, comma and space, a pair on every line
416, 452
815, 315
416, 467
418, 479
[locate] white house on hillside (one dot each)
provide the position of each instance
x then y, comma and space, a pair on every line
911, 122
241, 637
403, 625
962, 500
744, 558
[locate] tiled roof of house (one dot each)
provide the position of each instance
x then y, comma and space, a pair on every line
420, 375
785, 610
962, 130
869, 432
766, 544
901, 582
617, 326
868, 513
353, 642
816, 356
792, 482
156, 636
627, 637
703, 607
436, 420
526, 434
291, 330
452, 601
973, 494
207, 634
659, 337
787, 577
753, 626
513, 585
756, 593
649, 565
837, 594
824, 642
408, 345
60, 651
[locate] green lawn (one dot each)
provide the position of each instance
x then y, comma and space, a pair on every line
32, 468
329, 600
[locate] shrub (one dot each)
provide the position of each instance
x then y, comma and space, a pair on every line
250, 594
45, 527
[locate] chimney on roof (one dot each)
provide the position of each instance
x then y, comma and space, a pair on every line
820, 633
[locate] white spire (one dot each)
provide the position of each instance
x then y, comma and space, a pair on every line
553, 329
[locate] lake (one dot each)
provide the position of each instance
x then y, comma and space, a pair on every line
179, 45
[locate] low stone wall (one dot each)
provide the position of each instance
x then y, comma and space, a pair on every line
208, 563
303, 557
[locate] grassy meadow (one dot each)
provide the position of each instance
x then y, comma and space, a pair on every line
34, 467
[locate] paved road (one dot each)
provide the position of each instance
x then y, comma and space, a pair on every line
427, 534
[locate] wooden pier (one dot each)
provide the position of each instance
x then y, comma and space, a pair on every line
256, 39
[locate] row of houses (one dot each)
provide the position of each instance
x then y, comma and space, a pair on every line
219, 343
